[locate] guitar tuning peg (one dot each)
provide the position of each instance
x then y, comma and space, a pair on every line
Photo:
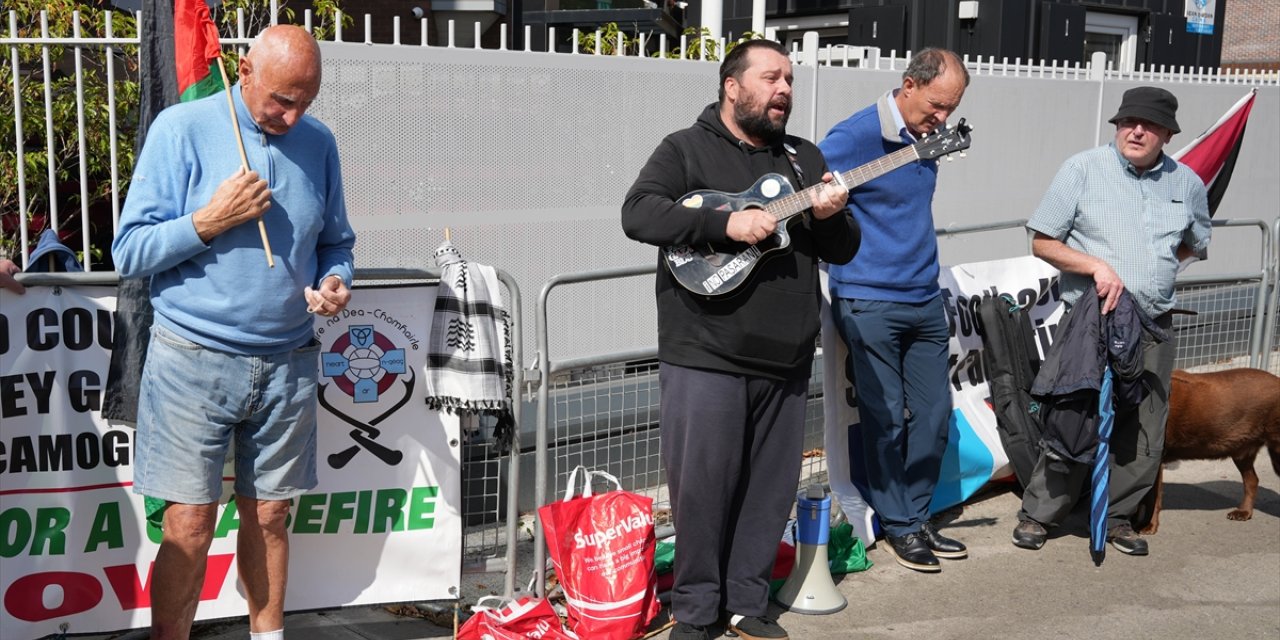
963, 154
950, 158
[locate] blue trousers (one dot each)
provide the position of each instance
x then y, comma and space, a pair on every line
898, 364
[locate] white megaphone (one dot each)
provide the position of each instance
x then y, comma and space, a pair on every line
809, 589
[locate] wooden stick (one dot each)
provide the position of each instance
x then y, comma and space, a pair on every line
447, 235
244, 158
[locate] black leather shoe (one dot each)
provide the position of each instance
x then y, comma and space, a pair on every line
1029, 534
942, 546
1126, 540
912, 552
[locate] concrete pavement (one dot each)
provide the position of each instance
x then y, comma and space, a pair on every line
1206, 578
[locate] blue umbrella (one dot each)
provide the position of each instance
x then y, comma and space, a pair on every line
1101, 477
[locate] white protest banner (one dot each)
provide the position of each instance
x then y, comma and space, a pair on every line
974, 454
383, 525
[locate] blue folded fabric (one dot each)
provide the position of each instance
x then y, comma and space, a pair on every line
52, 256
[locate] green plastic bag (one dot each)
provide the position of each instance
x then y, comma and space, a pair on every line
845, 553
664, 556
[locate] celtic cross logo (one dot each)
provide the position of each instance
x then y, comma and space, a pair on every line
363, 363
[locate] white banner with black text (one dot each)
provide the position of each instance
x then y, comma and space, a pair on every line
384, 524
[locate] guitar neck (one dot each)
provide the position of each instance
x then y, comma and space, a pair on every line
800, 201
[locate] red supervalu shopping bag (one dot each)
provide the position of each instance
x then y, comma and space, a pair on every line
524, 619
602, 547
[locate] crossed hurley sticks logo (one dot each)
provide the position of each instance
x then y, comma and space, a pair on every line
364, 364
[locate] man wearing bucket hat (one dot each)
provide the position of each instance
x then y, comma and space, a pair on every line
1119, 217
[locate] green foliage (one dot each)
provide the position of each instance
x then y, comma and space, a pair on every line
699, 45
609, 34
63, 109
257, 16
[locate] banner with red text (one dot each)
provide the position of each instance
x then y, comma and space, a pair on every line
384, 524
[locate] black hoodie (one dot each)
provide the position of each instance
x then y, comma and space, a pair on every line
768, 326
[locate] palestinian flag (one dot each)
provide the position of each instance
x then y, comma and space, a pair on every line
1212, 155
179, 46
196, 50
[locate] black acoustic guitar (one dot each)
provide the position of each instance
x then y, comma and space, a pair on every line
716, 271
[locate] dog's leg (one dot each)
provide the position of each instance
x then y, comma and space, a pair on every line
1250, 479
1158, 492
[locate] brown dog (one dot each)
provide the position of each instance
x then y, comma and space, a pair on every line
1224, 414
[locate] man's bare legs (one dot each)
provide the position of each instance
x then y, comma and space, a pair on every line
262, 557
178, 574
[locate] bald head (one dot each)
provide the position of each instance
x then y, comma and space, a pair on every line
280, 77
287, 45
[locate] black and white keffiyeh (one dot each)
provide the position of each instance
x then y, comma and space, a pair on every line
468, 366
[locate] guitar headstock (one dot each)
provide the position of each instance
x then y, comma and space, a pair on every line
944, 141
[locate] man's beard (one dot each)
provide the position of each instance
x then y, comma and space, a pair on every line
754, 120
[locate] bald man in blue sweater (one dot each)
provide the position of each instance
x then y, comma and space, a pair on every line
232, 355
888, 306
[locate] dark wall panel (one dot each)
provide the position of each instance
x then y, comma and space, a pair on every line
1170, 43
884, 27
935, 19
1061, 32
1013, 29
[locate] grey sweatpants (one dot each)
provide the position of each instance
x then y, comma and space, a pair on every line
731, 445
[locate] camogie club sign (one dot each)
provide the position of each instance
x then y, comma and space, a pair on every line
75, 549
364, 363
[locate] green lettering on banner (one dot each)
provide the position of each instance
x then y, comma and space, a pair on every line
15, 531
229, 520
422, 508
106, 528
389, 507
50, 527
339, 510
310, 513
364, 503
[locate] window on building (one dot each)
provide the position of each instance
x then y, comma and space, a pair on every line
1113, 34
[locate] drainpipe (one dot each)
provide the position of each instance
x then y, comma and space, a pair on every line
713, 17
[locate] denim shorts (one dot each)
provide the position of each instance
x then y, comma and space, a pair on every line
195, 400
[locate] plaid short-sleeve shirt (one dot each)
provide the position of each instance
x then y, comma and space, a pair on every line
1101, 205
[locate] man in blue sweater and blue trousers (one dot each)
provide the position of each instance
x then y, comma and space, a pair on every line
888, 306
232, 355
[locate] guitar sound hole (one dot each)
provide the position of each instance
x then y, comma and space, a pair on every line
712, 257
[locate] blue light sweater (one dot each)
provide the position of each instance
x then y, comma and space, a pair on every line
223, 295
898, 261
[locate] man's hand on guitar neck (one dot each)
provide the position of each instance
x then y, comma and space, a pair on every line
829, 199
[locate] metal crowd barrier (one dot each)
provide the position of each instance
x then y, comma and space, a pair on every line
1271, 359
497, 516
489, 546
602, 411
1230, 310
